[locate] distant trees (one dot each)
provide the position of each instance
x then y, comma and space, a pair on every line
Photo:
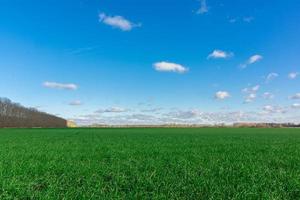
16, 115
267, 125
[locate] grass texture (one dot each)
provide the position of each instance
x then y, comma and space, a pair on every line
145, 163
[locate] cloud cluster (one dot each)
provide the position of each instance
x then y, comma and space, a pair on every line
60, 86
269, 113
117, 22
251, 93
269, 109
169, 67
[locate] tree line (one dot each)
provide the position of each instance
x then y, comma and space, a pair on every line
15, 115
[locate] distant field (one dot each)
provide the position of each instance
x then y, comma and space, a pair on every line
150, 163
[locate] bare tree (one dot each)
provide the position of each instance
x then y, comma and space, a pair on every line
16, 115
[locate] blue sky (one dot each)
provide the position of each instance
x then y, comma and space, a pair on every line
158, 61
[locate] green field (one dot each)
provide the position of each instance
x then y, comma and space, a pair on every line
139, 163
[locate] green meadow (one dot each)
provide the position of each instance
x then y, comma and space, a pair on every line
150, 163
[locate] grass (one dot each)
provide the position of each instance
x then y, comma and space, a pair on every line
150, 163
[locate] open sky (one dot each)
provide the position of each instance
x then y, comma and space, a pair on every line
153, 61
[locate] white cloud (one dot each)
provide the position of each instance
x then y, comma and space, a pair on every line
293, 75
268, 95
61, 86
296, 105
222, 95
203, 7
220, 54
75, 103
117, 22
112, 110
296, 96
253, 59
271, 76
169, 67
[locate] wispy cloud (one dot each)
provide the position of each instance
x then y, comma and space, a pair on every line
112, 110
295, 96
271, 77
243, 19
221, 95
268, 95
233, 20
179, 114
75, 103
60, 86
251, 89
253, 59
203, 7
248, 19
250, 98
296, 105
293, 75
220, 54
169, 67
152, 110
81, 50
117, 22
